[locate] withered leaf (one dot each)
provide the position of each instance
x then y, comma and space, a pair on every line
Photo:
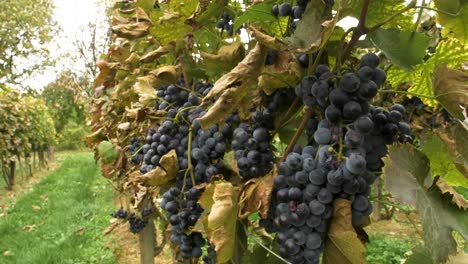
164, 173
256, 195
222, 220
154, 55
451, 89
234, 88
169, 15
227, 57
457, 199
343, 244
285, 72
135, 27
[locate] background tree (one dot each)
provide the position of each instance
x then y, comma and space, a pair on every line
25, 26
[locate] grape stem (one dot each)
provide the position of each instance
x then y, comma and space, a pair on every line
288, 112
305, 119
262, 245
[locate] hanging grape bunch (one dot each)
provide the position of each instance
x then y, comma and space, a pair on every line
349, 137
225, 23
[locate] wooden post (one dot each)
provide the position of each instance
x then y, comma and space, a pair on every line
147, 243
12, 175
378, 201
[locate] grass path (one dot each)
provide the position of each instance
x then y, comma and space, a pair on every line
61, 219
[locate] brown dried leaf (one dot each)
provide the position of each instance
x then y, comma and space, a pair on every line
105, 69
227, 57
457, 199
192, 20
451, 89
234, 88
256, 195
267, 40
164, 173
285, 72
343, 245
168, 16
135, 27
222, 220
124, 126
154, 55
456, 143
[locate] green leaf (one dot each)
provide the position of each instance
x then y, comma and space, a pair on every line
456, 25
107, 152
404, 48
258, 14
441, 162
420, 255
450, 52
378, 11
260, 255
286, 133
408, 179
309, 29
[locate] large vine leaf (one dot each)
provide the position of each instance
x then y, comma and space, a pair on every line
455, 23
450, 52
259, 15
404, 48
441, 162
308, 35
135, 27
221, 203
408, 179
234, 88
378, 11
169, 20
451, 89
343, 244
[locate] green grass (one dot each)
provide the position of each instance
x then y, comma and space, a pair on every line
385, 250
43, 226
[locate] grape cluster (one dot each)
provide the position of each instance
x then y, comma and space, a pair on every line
211, 257
120, 214
285, 9
301, 207
134, 147
136, 224
173, 133
226, 23
251, 141
180, 131
183, 211
345, 147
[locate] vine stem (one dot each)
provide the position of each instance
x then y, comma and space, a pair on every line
263, 246
283, 118
189, 159
340, 48
361, 28
305, 119
418, 19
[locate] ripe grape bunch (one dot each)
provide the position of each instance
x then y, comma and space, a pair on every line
226, 23
199, 154
251, 141
349, 136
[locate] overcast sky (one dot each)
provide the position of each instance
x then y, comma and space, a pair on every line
72, 16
